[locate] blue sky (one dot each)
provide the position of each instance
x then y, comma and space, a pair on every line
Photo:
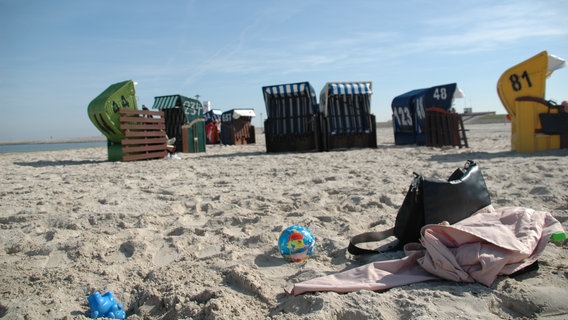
57, 56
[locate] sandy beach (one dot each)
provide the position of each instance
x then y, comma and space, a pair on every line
196, 237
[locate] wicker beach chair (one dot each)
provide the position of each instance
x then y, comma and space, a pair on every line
347, 118
293, 120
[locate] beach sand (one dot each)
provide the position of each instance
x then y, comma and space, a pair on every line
196, 237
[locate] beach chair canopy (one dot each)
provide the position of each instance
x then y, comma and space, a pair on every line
104, 109
290, 107
409, 109
212, 115
192, 108
347, 106
527, 78
288, 100
234, 114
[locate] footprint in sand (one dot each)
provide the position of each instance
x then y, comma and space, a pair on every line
57, 259
165, 254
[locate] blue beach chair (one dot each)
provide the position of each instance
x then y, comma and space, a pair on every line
410, 111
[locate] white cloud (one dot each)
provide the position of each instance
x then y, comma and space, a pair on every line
487, 27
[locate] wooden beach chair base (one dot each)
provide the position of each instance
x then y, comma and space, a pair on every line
144, 136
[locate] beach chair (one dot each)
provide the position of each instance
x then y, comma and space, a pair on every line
131, 134
293, 119
424, 117
212, 126
236, 127
184, 121
522, 90
347, 120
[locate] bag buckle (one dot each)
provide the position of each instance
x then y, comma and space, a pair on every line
414, 185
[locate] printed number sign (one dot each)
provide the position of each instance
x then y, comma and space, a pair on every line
439, 97
403, 117
193, 108
123, 102
226, 117
419, 103
517, 82
440, 94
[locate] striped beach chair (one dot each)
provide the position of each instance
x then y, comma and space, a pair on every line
347, 118
293, 121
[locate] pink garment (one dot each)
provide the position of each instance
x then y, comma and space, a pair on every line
477, 249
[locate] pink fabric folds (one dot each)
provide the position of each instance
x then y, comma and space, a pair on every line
477, 249
373, 276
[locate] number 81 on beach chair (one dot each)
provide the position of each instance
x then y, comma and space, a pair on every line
522, 91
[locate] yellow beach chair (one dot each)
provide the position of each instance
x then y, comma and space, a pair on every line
522, 91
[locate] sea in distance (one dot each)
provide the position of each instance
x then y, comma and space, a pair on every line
49, 146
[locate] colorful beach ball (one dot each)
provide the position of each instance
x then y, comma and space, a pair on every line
296, 243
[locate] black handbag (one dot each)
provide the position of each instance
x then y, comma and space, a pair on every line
431, 201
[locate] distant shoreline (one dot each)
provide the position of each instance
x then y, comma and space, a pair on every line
53, 141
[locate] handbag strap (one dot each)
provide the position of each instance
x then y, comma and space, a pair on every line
549, 103
370, 237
